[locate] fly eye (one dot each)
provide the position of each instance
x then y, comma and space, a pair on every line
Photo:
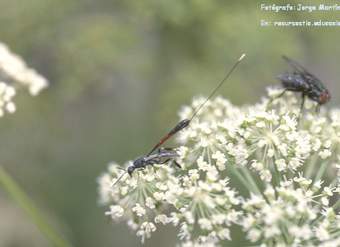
324, 97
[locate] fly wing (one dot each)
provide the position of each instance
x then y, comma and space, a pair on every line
295, 65
309, 78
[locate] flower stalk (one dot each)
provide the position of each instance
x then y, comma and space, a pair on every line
25, 203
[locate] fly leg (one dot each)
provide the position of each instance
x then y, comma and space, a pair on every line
277, 97
281, 94
303, 97
317, 109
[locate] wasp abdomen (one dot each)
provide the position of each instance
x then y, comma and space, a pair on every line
181, 125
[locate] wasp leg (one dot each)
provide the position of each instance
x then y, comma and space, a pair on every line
121, 168
177, 165
173, 161
165, 161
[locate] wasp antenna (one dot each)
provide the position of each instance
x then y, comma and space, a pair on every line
242, 56
219, 85
185, 122
118, 179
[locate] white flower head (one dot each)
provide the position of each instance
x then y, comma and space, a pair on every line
288, 169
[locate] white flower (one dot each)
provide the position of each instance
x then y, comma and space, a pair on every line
322, 233
220, 159
139, 210
301, 232
15, 68
224, 234
205, 224
162, 218
253, 235
150, 203
6, 98
145, 230
324, 154
266, 175
281, 164
115, 211
104, 188
288, 172
16, 74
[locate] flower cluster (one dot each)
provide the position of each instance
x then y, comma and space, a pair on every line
6, 95
294, 213
287, 161
140, 199
14, 74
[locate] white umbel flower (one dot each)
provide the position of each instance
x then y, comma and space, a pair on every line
285, 185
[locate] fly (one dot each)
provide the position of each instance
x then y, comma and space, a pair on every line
300, 80
161, 155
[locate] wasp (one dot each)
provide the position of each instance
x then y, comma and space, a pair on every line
300, 80
161, 155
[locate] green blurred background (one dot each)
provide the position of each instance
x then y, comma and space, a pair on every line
118, 72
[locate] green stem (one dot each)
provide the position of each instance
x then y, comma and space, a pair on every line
250, 179
311, 166
13, 189
336, 205
242, 179
321, 171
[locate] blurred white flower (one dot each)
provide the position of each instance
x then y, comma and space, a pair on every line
15, 74
6, 99
116, 211
14, 68
145, 230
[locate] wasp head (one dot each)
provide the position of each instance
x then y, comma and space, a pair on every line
324, 97
130, 170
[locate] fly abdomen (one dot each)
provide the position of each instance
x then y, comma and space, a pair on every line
293, 82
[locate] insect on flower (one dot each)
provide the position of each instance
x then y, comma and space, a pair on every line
306, 83
161, 155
